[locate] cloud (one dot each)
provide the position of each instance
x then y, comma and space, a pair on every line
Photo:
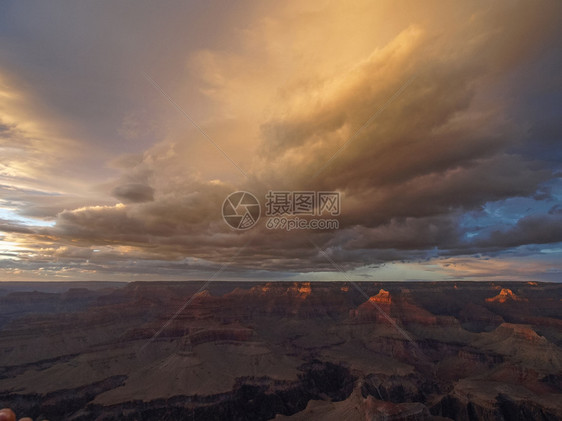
532, 229
133, 193
285, 90
13, 227
505, 268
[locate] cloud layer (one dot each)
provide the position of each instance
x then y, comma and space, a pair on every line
423, 117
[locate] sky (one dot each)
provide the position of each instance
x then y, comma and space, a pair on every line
125, 125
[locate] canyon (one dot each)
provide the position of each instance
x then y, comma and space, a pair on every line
282, 350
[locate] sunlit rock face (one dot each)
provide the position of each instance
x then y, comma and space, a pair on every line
505, 295
383, 297
283, 350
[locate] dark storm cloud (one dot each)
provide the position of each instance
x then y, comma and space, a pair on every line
532, 229
133, 193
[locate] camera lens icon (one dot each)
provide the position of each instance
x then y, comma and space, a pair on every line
241, 210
